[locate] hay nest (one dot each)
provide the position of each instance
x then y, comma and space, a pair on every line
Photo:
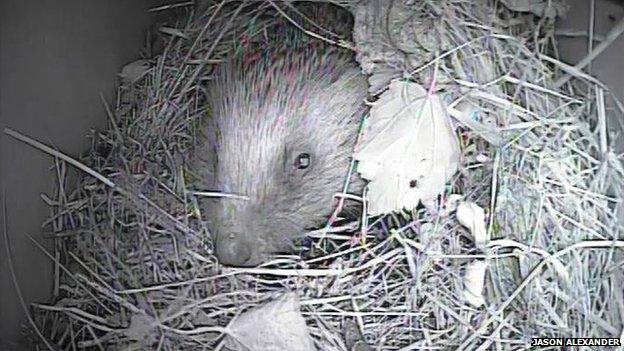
134, 259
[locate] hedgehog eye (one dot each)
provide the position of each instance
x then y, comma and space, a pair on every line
302, 161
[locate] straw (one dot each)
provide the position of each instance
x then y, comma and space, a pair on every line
134, 255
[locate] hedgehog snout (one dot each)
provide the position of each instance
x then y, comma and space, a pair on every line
231, 250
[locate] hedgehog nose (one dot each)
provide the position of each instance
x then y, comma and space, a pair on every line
233, 252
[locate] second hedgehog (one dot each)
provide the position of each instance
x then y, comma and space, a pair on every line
281, 133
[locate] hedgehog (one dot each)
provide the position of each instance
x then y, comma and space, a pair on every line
281, 131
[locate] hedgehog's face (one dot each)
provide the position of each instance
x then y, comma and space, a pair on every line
289, 178
284, 140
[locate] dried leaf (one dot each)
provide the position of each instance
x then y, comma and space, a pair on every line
409, 149
474, 281
472, 216
274, 326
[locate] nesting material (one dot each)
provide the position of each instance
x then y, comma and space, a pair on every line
472, 216
548, 8
408, 150
133, 257
474, 282
274, 326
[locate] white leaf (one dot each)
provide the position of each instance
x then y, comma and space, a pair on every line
275, 326
471, 216
408, 150
474, 281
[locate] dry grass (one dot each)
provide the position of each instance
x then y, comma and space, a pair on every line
134, 264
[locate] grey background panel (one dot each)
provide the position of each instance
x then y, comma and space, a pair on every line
609, 66
56, 57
